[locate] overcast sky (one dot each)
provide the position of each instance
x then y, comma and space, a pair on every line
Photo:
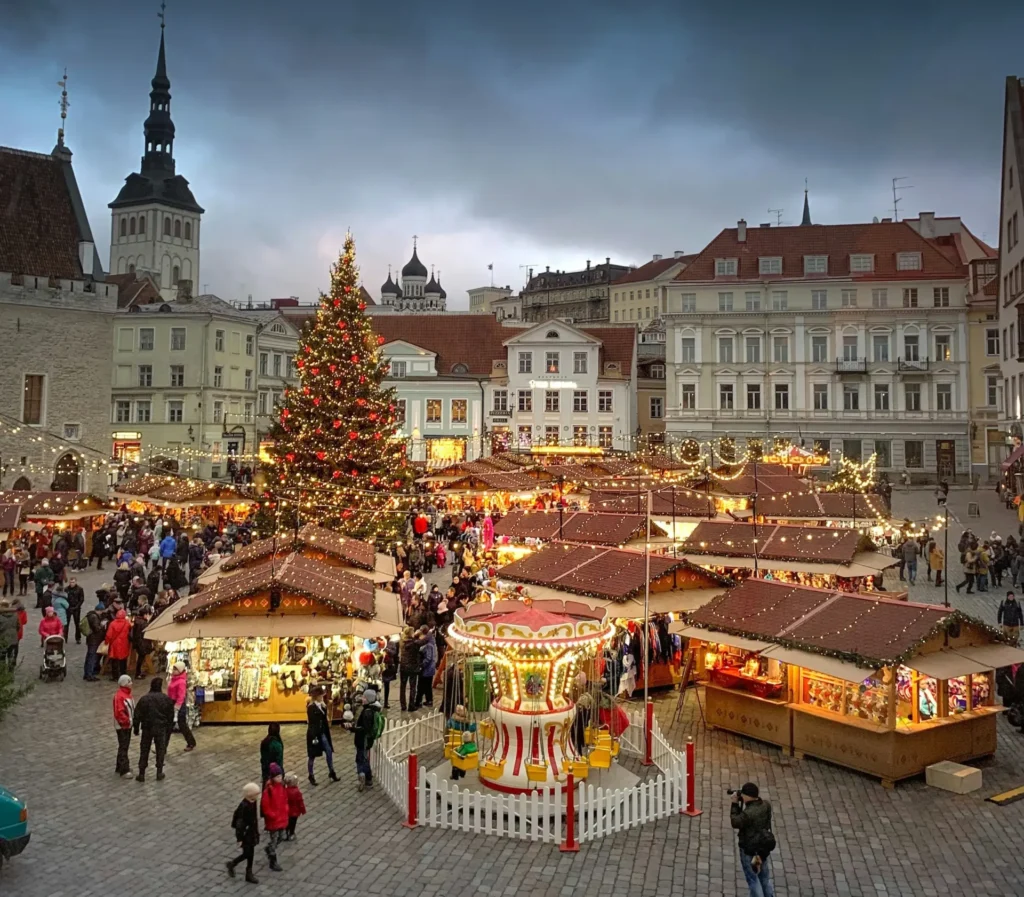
540, 132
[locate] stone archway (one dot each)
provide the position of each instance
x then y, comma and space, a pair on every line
66, 473
22, 484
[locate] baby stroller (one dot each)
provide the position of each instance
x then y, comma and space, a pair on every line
54, 665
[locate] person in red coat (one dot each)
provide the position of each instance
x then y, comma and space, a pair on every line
50, 625
124, 717
118, 639
274, 810
296, 804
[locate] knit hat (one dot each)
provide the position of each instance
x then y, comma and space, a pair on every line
252, 790
369, 696
274, 769
178, 667
750, 790
124, 681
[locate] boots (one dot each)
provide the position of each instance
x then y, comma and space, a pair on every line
141, 777
252, 879
231, 868
333, 776
312, 779
275, 866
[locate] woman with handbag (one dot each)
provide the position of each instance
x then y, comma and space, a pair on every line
318, 733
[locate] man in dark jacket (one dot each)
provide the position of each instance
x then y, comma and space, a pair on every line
154, 716
196, 556
97, 620
409, 668
752, 817
1011, 618
76, 598
365, 733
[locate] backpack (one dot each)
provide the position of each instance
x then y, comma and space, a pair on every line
85, 626
379, 723
762, 843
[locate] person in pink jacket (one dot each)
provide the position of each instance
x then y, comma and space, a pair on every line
50, 625
177, 691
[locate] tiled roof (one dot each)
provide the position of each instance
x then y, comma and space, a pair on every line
607, 572
347, 593
10, 514
472, 340
837, 241
992, 287
618, 345
53, 504
653, 269
39, 231
134, 289
685, 502
831, 505
513, 481
572, 526
792, 543
878, 630
353, 551
761, 485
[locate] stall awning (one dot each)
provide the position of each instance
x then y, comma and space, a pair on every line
946, 664
847, 571
993, 656
166, 629
720, 638
819, 663
1013, 457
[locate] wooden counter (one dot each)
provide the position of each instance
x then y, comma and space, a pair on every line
280, 707
765, 719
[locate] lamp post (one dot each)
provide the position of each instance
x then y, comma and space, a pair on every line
192, 451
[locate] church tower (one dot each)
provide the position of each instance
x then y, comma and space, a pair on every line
155, 218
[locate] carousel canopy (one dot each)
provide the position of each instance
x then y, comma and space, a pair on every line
573, 526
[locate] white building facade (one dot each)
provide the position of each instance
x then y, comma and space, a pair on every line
1011, 262
850, 337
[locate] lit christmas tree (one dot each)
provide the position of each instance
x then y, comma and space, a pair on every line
853, 476
334, 449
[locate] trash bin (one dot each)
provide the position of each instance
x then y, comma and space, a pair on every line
477, 695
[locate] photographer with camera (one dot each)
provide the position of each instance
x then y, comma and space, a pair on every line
752, 818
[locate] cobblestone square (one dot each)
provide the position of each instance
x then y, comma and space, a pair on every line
839, 833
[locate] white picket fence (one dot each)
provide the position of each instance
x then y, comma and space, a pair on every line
538, 815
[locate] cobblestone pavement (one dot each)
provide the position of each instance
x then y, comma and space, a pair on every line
840, 833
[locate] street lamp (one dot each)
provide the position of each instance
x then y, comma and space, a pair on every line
192, 451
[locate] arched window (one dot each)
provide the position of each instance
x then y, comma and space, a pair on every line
131, 269
22, 484
167, 225
188, 230
177, 228
124, 227
66, 473
142, 224
551, 334
175, 275
131, 226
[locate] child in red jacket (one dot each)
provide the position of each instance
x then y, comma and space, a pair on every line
274, 810
296, 804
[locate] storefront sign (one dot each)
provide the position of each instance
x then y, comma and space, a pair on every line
553, 384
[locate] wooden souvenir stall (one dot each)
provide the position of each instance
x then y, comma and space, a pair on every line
611, 529
191, 501
615, 579
256, 641
34, 512
676, 509
880, 686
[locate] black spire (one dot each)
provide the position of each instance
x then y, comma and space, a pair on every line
159, 128
807, 210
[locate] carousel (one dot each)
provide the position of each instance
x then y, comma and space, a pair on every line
547, 714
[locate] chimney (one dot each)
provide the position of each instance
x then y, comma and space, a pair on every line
86, 251
678, 254
741, 231
657, 258
608, 260
927, 224
766, 224
547, 269
588, 264
184, 291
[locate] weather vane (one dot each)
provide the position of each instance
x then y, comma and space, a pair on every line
63, 85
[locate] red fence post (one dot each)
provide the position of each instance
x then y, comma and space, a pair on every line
649, 734
411, 793
570, 844
691, 779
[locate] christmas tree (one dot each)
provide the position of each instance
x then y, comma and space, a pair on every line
853, 476
334, 447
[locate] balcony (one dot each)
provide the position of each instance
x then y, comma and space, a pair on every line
912, 365
851, 365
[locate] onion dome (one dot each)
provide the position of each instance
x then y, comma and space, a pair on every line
414, 267
432, 288
398, 289
389, 288
440, 290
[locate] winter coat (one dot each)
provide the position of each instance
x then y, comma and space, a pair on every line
296, 803
42, 576
1010, 614
177, 689
50, 625
122, 580
910, 551
409, 655
390, 673
59, 602
428, 656
8, 628
174, 578
76, 598
271, 751
97, 631
140, 643
124, 708
750, 820
317, 724
168, 547
274, 806
118, 637
366, 727
196, 555
937, 559
246, 823
154, 712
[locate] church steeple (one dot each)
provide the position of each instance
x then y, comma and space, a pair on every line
807, 210
159, 128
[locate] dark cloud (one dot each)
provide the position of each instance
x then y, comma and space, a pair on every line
534, 132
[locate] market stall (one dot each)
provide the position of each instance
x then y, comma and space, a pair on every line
484, 490
677, 509
520, 526
51, 512
256, 641
196, 500
881, 686
821, 509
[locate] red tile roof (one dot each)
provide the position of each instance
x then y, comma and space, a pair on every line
992, 287
686, 502
618, 345
572, 526
134, 289
837, 241
472, 340
39, 232
653, 269
790, 543
879, 630
831, 505
357, 553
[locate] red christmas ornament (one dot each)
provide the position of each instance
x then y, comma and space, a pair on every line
337, 383
348, 289
337, 302
354, 473
380, 341
316, 400
362, 306
362, 379
360, 402
391, 407
330, 339
285, 412
315, 371
319, 431
352, 434
321, 455
305, 390
336, 474
375, 479
342, 325
332, 367
373, 415
306, 349
300, 362
346, 513
355, 359
376, 435
398, 482
337, 424
290, 456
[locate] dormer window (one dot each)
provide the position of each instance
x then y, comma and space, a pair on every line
815, 264
908, 261
769, 265
725, 267
862, 263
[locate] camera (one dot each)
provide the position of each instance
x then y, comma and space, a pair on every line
732, 791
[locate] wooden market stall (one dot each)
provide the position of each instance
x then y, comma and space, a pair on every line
257, 640
822, 509
824, 558
616, 579
676, 508
614, 529
880, 686
50, 511
153, 494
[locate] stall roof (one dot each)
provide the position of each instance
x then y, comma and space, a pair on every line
344, 591
733, 641
353, 551
512, 481
604, 572
574, 526
10, 514
687, 502
820, 663
774, 542
761, 485
55, 505
822, 505
870, 630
